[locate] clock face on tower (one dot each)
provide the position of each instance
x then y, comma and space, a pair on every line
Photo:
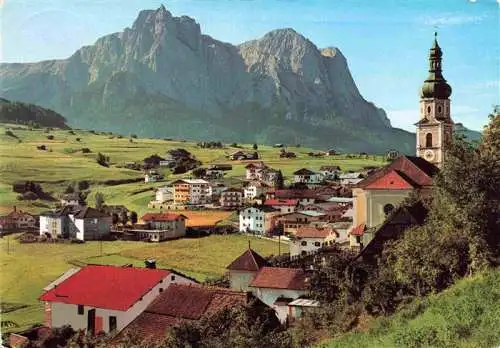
429, 155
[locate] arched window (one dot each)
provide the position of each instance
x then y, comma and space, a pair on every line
388, 208
428, 140
439, 109
428, 109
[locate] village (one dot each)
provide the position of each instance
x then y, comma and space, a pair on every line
326, 229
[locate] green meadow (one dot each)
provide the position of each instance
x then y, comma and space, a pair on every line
28, 268
465, 315
64, 163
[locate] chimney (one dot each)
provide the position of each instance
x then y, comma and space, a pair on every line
150, 263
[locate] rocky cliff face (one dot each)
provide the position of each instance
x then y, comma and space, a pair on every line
163, 77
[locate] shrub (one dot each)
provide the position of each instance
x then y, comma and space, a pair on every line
71, 132
77, 139
119, 136
50, 137
131, 140
86, 150
10, 134
30, 196
102, 159
133, 136
83, 185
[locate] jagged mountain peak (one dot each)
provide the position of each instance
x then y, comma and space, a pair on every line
179, 83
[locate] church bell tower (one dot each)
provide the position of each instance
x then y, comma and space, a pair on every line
435, 128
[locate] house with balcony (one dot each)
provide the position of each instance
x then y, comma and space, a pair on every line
307, 176
191, 191
231, 198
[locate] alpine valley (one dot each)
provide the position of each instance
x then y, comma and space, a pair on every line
164, 78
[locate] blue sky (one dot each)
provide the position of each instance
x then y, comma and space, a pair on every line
386, 42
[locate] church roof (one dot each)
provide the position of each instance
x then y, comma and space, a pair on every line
392, 180
415, 170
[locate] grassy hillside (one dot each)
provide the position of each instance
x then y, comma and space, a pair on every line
64, 163
465, 315
27, 268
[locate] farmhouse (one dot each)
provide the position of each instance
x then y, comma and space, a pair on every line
19, 219
160, 226
253, 170
309, 239
307, 176
152, 176
83, 223
231, 198
181, 303
191, 191
104, 298
162, 195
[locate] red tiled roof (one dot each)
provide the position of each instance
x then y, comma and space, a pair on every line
248, 261
180, 303
107, 287
162, 217
281, 202
280, 278
313, 232
288, 193
393, 180
416, 169
358, 230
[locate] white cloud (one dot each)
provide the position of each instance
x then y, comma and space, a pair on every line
451, 19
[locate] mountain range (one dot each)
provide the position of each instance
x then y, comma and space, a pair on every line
164, 78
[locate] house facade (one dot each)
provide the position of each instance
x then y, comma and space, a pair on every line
252, 220
191, 191
283, 205
20, 219
161, 226
231, 198
254, 189
329, 172
253, 170
276, 287
309, 239
104, 298
307, 176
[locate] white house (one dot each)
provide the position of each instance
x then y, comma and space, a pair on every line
89, 223
254, 189
71, 199
329, 172
252, 220
83, 223
347, 179
307, 176
161, 226
276, 287
104, 298
164, 194
243, 269
308, 239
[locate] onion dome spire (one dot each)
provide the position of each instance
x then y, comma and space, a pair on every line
435, 85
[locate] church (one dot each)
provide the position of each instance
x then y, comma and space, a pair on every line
378, 196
